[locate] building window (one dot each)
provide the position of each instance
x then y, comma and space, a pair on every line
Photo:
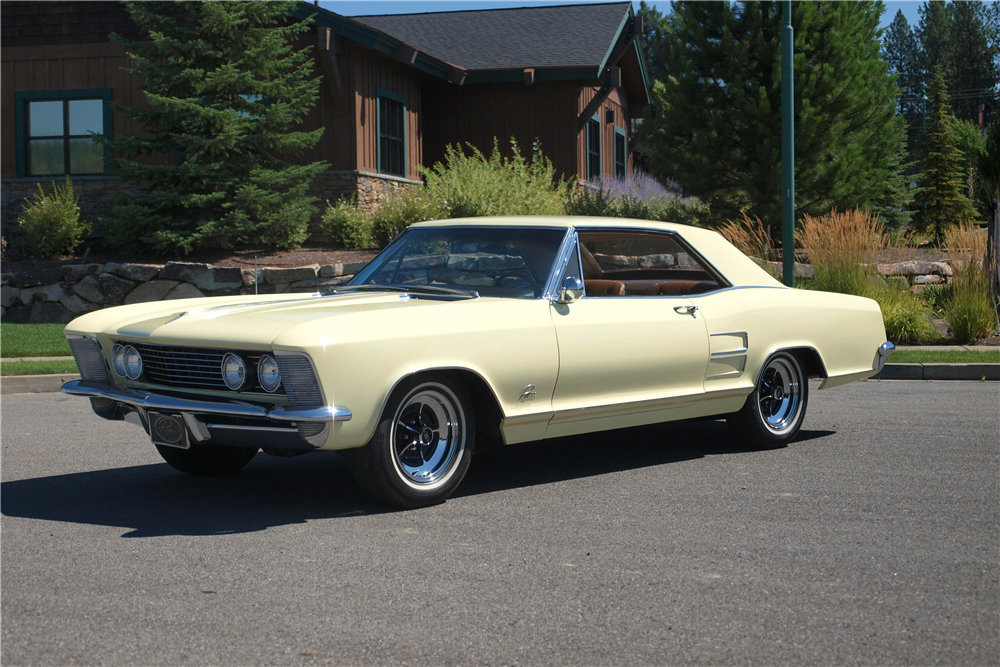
391, 133
621, 142
594, 148
58, 131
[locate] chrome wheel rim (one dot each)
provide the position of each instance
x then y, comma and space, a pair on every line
779, 395
428, 436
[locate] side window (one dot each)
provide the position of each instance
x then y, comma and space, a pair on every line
594, 148
636, 263
620, 152
391, 133
58, 132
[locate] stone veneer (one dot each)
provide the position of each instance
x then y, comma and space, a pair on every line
59, 294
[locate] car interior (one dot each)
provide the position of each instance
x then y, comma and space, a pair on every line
619, 263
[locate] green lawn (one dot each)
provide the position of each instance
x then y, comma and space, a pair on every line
33, 340
945, 357
58, 367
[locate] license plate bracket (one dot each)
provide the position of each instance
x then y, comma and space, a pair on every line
168, 430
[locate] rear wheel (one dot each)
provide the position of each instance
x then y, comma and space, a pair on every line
422, 447
773, 413
206, 460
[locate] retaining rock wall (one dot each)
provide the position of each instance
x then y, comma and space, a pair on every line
59, 294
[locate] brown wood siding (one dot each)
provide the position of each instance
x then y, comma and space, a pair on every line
617, 101
478, 113
44, 68
370, 71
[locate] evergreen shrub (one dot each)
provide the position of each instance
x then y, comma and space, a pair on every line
51, 222
347, 224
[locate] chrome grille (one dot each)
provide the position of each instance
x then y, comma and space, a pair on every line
89, 359
299, 380
191, 367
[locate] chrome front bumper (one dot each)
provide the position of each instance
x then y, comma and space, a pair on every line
884, 350
281, 427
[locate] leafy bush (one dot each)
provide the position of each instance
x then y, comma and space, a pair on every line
51, 222
402, 209
347, 224
474, 185
969, 306
907, 319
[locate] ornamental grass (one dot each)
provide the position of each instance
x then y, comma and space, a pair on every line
969, 306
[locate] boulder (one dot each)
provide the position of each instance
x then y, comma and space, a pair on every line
35, 277
154, 290
318, 283
137, 272
929, 279
78, 271
9, 294
43, 312
90, 288
203, 276
183, 291
50, 293
463, 262
277, 276
74, 304
115, 288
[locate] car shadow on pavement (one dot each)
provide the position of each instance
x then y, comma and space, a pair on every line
155, 500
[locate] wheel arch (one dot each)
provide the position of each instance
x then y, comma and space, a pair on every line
807, 356
487, 409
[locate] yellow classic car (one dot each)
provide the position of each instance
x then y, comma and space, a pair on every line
468, 333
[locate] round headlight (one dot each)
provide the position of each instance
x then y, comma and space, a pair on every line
118, 360
234, 371
133, 363
267, 373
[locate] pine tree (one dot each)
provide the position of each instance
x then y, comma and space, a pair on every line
902, 52
719, 136
225, 90
653, 27
939, 199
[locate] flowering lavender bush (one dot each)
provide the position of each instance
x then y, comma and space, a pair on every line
638, 196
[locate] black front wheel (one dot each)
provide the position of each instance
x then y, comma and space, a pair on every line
207, 460
422, 446
773, 413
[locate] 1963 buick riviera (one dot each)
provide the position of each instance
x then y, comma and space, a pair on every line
467, 333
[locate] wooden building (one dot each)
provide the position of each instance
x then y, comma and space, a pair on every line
396, 91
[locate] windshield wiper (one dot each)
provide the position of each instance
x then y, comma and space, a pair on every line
426, 289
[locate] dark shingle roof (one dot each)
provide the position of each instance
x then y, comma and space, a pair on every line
560, 36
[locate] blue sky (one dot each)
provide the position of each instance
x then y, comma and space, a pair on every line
361, 7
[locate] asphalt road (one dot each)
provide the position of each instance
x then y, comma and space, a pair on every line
873, 539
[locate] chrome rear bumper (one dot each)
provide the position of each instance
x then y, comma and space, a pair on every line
884, 350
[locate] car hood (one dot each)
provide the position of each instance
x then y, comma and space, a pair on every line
254, 321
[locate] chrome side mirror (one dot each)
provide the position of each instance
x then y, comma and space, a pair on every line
571, 290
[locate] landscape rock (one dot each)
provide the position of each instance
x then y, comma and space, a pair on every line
74, 304
37, 277
50, 293
319, 283
8, 294
78, 271
137, 272
203, 276
183, 291
930, 279
43, 312
252, 276
115, 288
154, 290
294, 275
90, 288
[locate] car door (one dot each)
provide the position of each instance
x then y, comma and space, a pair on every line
622, 354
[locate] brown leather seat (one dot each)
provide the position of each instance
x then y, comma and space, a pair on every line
682, 287
604, 287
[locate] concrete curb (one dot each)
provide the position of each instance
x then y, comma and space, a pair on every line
34, 384
975, 372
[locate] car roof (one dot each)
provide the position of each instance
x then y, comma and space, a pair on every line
554, 221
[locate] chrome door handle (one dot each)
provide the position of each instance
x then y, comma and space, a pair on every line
686, 310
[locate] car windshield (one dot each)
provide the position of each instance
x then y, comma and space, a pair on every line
512, 262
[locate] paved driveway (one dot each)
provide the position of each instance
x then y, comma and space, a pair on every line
873, 539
